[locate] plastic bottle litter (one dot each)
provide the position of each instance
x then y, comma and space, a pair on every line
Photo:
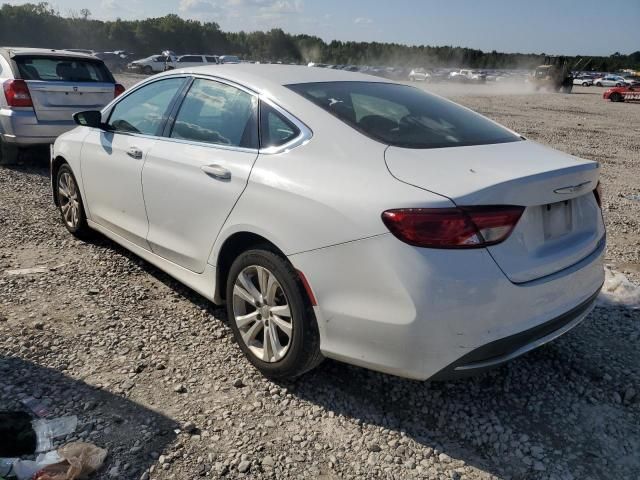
6, 465
47, 430
26, 469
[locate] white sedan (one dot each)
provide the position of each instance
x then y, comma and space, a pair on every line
339, 215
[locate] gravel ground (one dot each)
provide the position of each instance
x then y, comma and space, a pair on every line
153, 374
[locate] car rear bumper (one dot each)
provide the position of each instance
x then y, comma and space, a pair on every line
505, 349
22, 128
423, 313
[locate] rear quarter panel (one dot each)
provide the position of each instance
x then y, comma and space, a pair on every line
329, 191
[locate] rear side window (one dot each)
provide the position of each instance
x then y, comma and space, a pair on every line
53, 69
403, 116
275, 129
143, 111
217, 113
211, 59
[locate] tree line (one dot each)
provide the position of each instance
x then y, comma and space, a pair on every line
41, 25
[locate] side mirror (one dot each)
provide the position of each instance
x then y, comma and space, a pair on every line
89, 118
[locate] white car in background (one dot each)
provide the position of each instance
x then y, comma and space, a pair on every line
190, 61
340, 215
230, 59
152, 64
42, 89
419, 75
610, 81
583, 81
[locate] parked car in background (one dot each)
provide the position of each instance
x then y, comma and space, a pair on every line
152, 64
229, 59
622, 94
466, 75
610, 81
190, 61
583, 81
419, 75
406, 240
115, 61
42, 89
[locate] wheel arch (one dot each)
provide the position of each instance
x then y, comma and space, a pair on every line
229, 249
56, 163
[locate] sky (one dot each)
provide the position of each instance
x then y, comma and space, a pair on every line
585, 27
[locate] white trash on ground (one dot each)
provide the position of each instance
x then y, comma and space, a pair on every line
618, 290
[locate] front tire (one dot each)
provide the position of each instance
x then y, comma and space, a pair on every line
270, 316
147, 70
616, 97
70, 203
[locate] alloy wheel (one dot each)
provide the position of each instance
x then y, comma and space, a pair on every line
262, 314
69, 200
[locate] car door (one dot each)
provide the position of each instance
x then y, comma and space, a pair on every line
112, 158
194, 176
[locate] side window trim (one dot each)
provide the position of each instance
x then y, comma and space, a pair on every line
166, 134
302, 138
165, 117
174, 108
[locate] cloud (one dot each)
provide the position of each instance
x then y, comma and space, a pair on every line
363, 21
198, 6
245, 8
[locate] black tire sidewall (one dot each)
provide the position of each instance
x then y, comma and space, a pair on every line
304, 341
82, 229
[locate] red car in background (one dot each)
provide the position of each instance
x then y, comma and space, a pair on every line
622, 94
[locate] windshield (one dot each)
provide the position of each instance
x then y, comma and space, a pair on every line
403, 116
62, 69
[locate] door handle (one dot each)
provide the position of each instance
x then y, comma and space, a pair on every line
135, 152
216, 171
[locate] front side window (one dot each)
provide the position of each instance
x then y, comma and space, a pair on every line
403, 116
62, 69
275, 129
217, 113
143, 111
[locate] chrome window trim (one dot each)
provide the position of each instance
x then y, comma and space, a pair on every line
303, 138
219, 146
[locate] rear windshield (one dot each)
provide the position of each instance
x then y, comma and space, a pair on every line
403, 116
62, 69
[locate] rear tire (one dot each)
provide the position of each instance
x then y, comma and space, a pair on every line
9, 154
275, 308
70, 203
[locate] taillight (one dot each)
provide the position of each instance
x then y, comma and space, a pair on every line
463, 227
17, 93
119, 90
598, 194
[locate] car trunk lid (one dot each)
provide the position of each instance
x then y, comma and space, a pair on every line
562, 222
61, 84
60, 100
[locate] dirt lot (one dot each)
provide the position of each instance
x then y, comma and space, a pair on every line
152, 372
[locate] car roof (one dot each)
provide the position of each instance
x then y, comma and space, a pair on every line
8, 52
266, 77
